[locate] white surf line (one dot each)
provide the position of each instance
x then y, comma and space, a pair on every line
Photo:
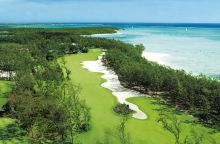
118, 32
114, 85
160, 58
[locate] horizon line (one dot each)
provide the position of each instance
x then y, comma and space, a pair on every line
215, 23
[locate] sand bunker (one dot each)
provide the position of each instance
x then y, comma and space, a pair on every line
114, 85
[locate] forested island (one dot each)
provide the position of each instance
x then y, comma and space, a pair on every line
45, 99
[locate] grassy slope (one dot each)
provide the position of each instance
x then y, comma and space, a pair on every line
102, 102
152, 108
5, 86
8, 133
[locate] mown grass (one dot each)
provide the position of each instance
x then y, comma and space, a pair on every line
101, 101
153, 107
5, 86
10, 132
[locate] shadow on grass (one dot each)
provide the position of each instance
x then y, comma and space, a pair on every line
163, 107
168, 110
12, 131
213, 130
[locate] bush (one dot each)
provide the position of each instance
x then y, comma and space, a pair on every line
85, 50
123, 109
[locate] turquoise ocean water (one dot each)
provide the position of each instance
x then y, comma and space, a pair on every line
194, 48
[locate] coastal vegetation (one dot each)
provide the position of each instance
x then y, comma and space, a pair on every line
43, 99
50, 86
197, 95
10, 131
104, 121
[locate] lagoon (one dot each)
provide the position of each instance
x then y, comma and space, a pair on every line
193, 49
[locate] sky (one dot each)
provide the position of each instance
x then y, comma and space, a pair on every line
162, 11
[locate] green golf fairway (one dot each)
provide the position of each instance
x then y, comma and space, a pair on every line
101, 101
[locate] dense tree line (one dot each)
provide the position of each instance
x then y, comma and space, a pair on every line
198, 95
47, 104
43, 99
12, 57
53, 43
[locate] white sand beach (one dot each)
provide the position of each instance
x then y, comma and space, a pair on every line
156, 57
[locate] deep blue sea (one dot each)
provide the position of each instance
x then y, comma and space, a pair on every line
194, 48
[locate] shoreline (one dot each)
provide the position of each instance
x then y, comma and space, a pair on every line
118, 32
159, 58
112, 83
